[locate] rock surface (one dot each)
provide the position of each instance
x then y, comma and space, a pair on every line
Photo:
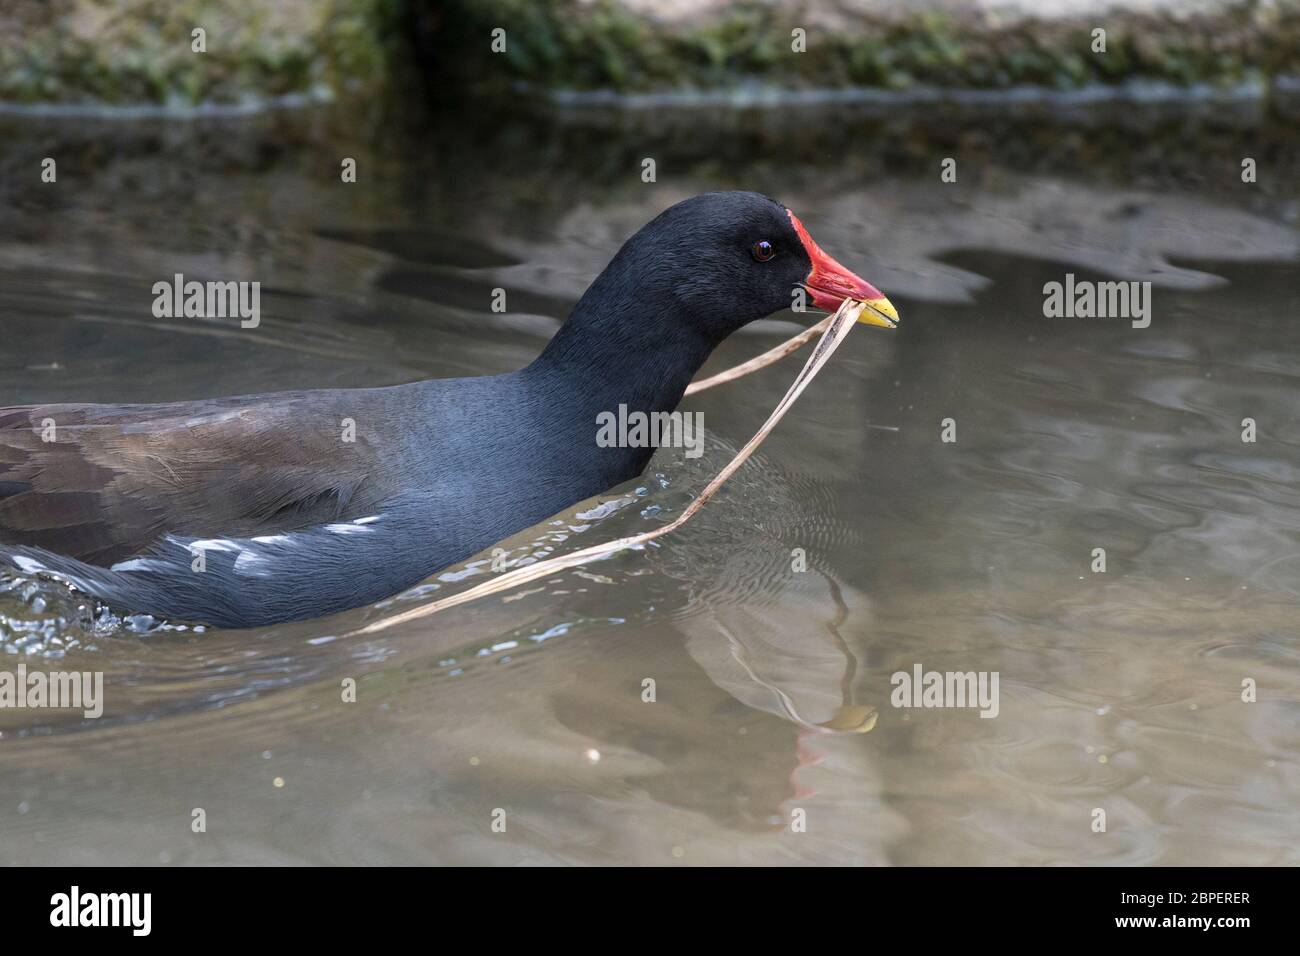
142, 51
655, 45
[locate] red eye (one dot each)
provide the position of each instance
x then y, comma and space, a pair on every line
762, 250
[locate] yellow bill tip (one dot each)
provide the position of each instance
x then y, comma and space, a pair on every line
879, 312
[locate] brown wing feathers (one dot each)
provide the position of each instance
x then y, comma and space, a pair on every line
104, 482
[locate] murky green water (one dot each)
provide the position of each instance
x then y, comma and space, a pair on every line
1119, 691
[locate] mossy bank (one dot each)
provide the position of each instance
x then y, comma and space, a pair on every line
639, 46
132, 52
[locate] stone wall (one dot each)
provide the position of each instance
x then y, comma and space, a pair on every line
140, 51
642, 45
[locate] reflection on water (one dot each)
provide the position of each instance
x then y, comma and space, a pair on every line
771, 688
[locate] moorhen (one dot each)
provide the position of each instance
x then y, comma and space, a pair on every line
258, 509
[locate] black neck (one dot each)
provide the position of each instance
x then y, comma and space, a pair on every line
598, 360
639, 360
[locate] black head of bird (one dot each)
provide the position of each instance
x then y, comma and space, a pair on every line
716, 262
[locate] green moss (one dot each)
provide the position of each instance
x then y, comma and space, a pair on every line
133, 51
139, 51
600, 45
